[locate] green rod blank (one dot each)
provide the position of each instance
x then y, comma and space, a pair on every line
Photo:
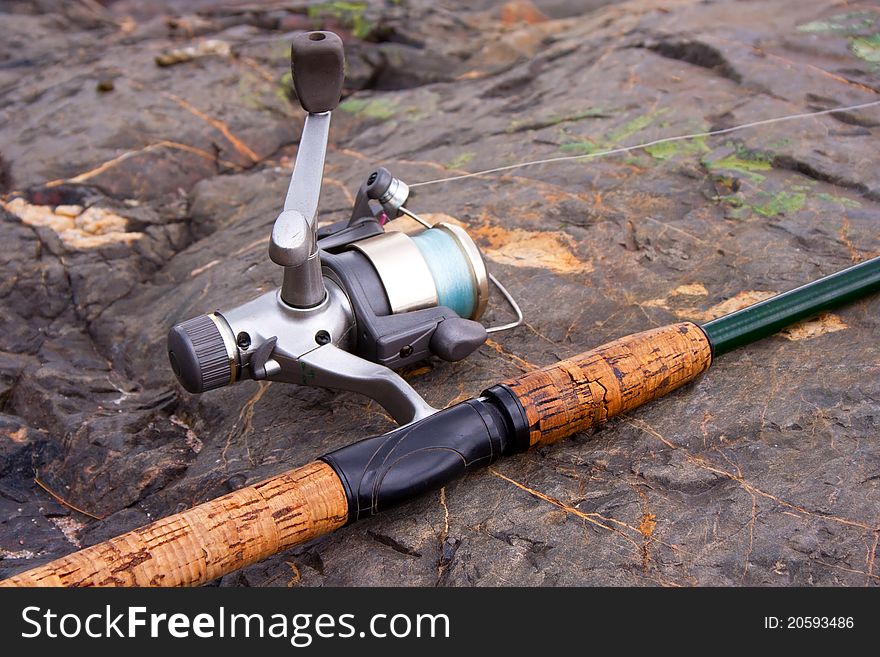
768, 317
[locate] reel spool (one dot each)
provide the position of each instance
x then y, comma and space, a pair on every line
440, 266
356, 301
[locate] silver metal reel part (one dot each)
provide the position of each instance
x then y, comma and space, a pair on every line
311, 347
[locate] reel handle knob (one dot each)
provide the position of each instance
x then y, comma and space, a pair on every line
317, 63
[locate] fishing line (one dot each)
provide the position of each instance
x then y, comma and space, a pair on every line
647, 144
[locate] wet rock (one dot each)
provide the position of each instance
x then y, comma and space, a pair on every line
140, 207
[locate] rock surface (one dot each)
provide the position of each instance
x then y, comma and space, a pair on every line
139, 194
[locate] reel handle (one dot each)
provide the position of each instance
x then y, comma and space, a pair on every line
317, 63
318, 67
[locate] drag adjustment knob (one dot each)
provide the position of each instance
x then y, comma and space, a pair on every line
317, 62
199, 355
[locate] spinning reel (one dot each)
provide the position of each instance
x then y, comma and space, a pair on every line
356, 301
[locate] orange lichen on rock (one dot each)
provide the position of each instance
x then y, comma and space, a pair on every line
691, 290
648, 524
737, 302
19, 435
77, 228
805, 330
521, 11
553, 250
813, 328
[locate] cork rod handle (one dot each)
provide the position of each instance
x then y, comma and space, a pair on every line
581, 392
209, 540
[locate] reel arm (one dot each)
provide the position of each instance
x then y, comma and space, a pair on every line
331, 367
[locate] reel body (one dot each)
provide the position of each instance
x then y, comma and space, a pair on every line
357, 301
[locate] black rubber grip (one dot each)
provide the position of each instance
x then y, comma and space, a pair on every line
317, 62
379, 472
518, 429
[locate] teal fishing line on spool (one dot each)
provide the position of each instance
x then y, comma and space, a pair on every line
450, 270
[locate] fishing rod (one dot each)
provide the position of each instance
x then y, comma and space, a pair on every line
358, 301
367, 477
